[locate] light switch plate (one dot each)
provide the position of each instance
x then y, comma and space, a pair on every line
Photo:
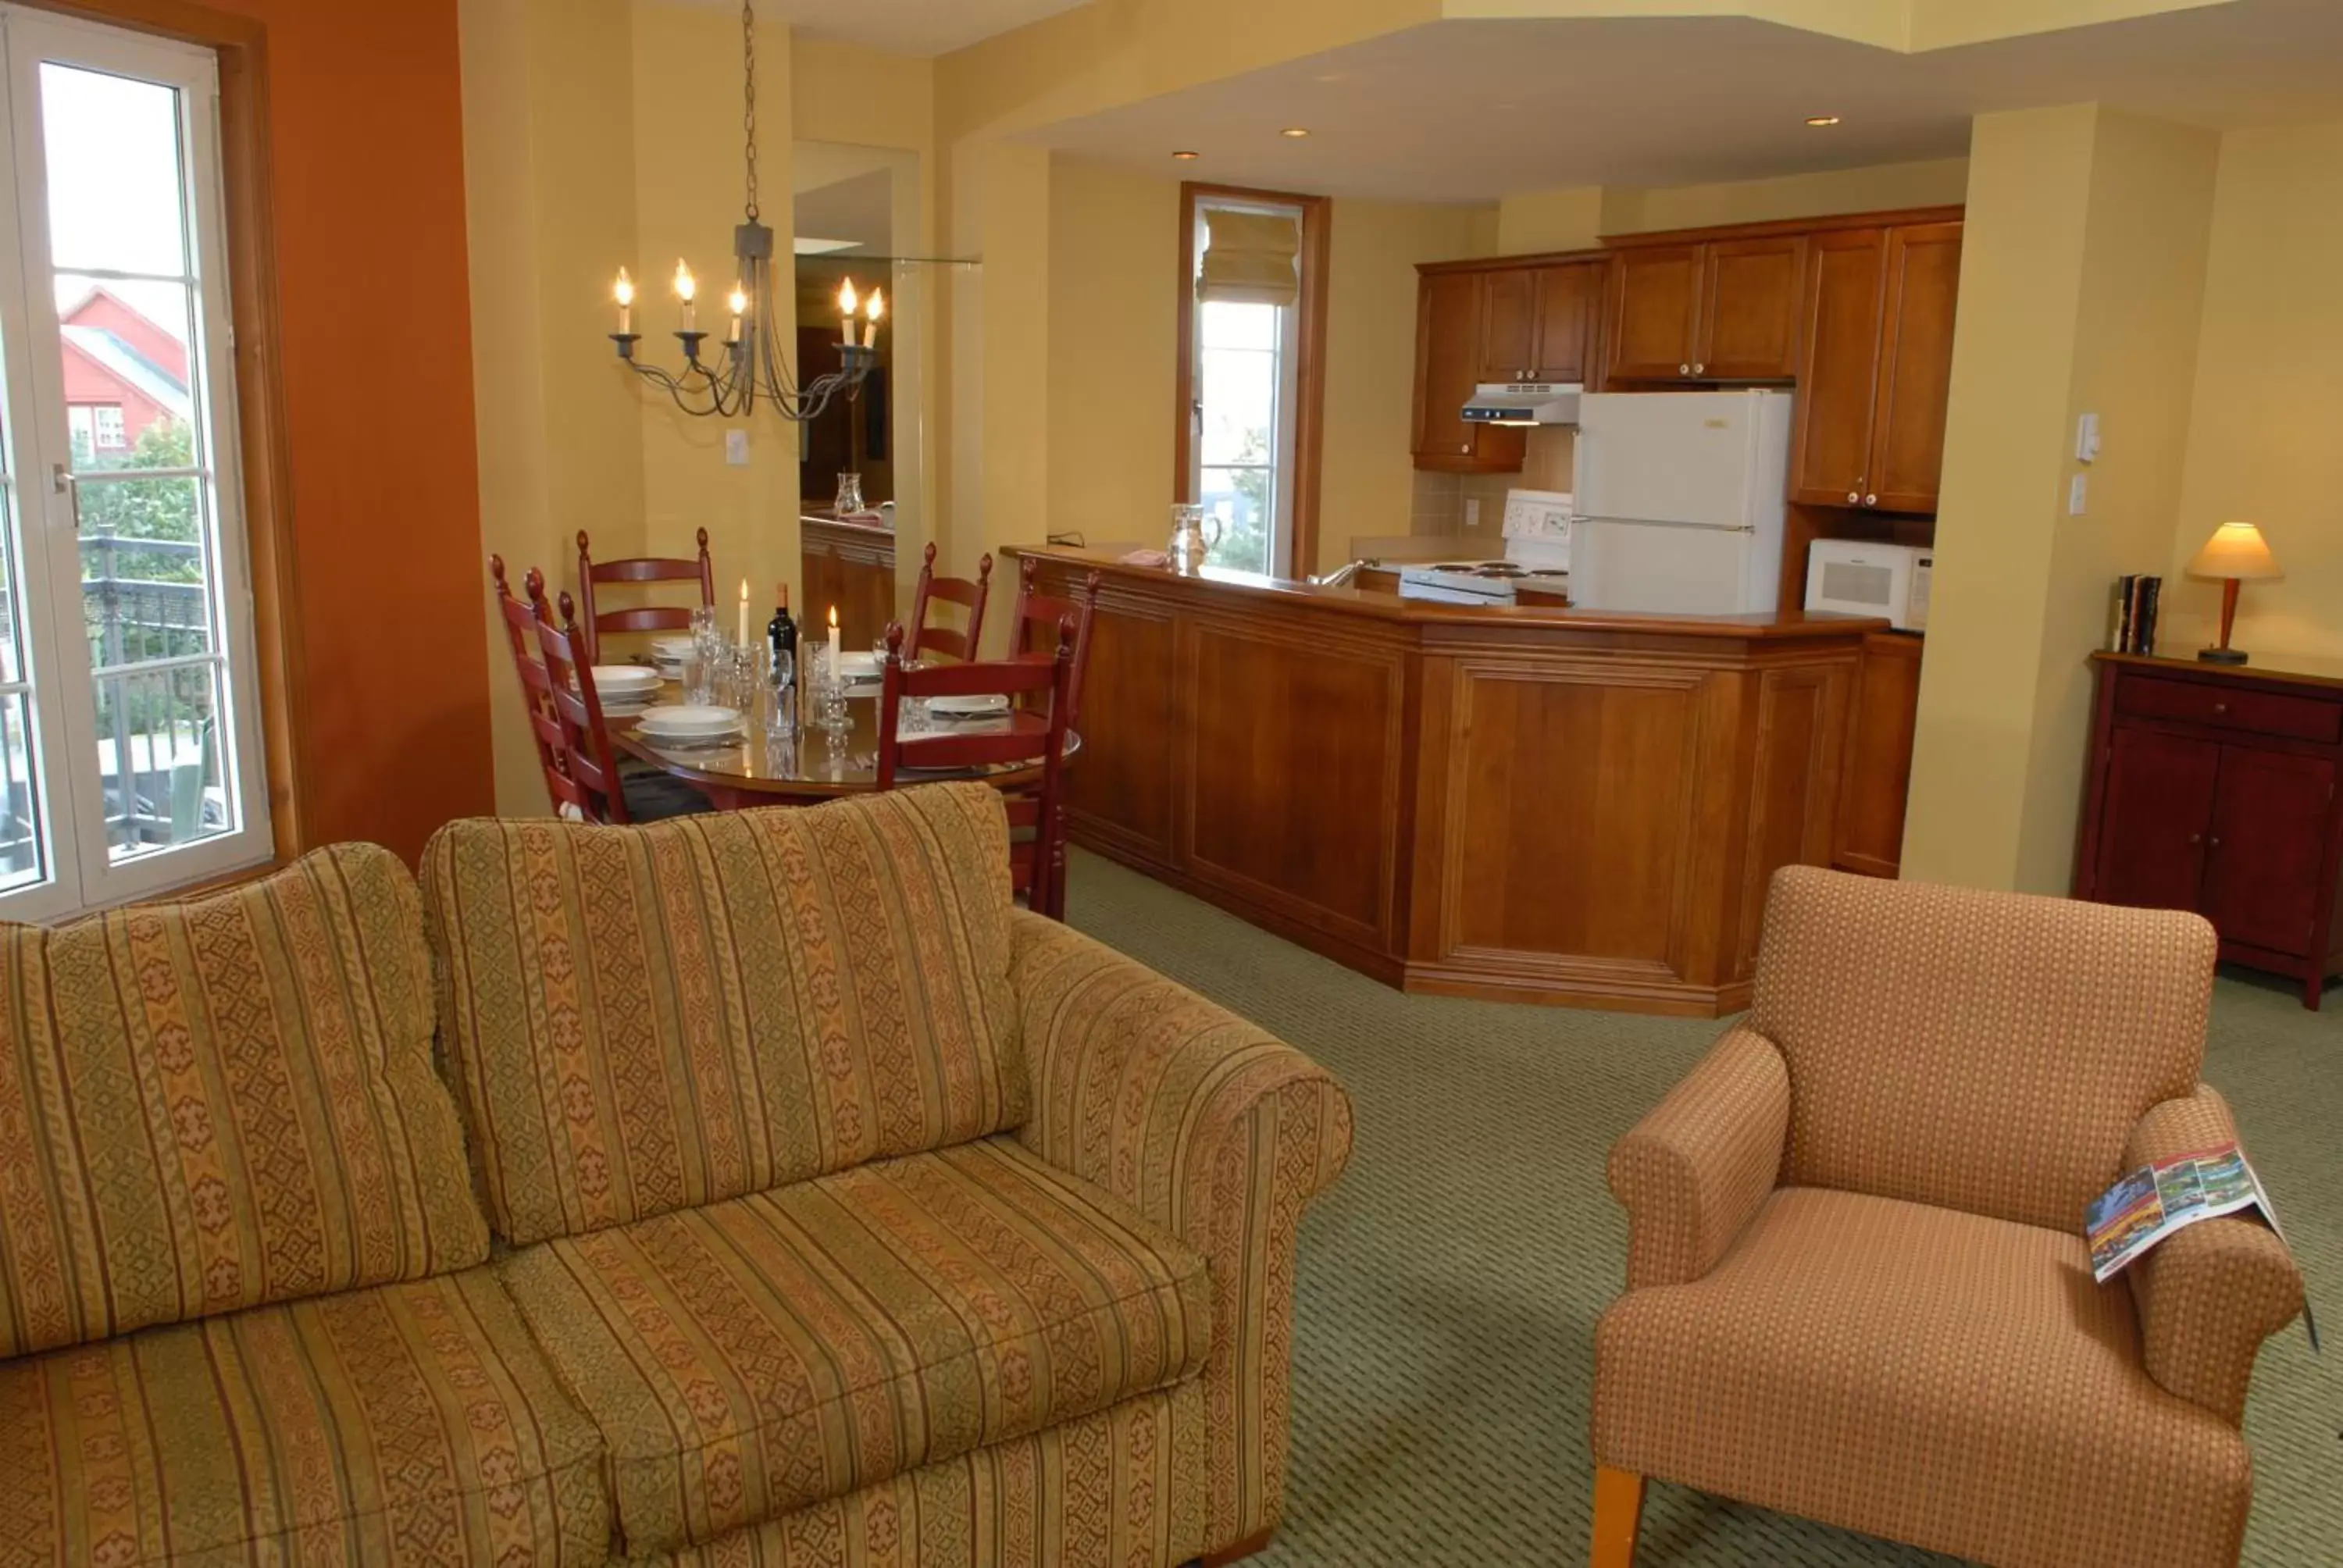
736, 448
2078, 496
1472, 514
2086, 438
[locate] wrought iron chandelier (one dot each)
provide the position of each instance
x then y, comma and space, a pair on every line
752, 367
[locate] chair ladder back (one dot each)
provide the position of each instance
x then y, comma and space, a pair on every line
1033, 626
1028, 737
592, 780
639, 570
519, 617
958, 642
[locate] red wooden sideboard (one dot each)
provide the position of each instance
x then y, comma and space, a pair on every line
2213, 789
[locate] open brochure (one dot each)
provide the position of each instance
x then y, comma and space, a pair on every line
2157, 1201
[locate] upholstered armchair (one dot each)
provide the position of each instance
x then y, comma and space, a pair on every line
1856, 1285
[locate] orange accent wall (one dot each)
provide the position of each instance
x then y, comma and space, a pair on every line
367, 131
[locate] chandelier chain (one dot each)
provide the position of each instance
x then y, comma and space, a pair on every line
749, 95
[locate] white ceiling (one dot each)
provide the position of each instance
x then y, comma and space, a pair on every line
1469, 111
910, 26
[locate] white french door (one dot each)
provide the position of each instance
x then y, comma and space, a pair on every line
130, 747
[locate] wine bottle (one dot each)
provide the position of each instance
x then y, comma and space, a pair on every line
783, 633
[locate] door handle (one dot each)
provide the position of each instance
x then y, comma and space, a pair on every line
1871, 500
2196, 837
2214, 842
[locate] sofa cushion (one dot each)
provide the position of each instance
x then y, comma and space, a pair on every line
752, 1357
409, 1423
1936, 1377
210, 1105
650, 1019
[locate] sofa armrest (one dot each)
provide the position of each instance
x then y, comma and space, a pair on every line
1214, 1129
2208, 1296
1693, 1171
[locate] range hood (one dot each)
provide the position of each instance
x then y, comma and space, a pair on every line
1524, 403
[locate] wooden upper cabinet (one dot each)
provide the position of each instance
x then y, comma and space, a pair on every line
1846, 295
1654, 313
1508, 302
1719, 310
1536, 321
1448, 336
1915, 368
1568, 298
1877, 371
1749, 305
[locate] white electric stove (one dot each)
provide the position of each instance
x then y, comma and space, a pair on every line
1537, 554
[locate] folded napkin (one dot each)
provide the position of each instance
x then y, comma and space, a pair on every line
1147, 558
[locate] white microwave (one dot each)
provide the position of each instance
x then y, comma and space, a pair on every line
1850, 577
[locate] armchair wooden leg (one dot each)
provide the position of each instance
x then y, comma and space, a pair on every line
1618, 1511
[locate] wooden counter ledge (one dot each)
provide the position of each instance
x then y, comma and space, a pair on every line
1530, 804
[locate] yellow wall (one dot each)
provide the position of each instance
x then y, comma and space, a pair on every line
1114, 271
2082, 276
549, 109
1368, 476
565, 184
2270, 394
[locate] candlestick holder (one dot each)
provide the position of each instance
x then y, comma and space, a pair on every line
625, 342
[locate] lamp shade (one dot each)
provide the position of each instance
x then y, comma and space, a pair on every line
2236, 550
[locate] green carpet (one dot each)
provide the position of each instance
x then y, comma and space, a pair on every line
1449, 1285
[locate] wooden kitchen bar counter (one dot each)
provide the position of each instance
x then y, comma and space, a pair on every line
1527, 804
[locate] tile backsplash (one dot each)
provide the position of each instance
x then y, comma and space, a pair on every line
1438, 501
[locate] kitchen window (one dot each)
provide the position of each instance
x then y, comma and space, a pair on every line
1252, 323
130, 736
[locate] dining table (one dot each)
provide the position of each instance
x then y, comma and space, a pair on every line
806, 766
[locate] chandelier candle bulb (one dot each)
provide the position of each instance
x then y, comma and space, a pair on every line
742, 638
624, 292
847, 303
739, 301
876, 308
687, 289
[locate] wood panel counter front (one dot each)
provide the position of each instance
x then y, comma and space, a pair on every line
1535, 805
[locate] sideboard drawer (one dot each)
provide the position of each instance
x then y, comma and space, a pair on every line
2230, 707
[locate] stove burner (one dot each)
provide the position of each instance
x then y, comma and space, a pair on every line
1499, 569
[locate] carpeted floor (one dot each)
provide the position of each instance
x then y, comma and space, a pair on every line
1450, 1283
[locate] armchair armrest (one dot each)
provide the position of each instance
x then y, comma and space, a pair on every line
1693, 1171
1209, 1127
2208, 1296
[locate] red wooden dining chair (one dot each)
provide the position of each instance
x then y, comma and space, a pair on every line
536, 686
1037, 830
589, 774
927, 640
1033, 629
639, 570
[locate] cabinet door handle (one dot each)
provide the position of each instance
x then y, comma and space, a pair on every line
1683, 369
1854, 498
2219, 709
2196, 837
2214, 842
1698, 369
1871, 500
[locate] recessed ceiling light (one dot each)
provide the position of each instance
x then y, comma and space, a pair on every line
1185, 156
1819, 121
1295, 132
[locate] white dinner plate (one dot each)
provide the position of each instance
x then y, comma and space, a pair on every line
975, 706
687, 721
620, 680
858, 666
670, 647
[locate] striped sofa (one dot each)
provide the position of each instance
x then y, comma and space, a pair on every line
784, 1197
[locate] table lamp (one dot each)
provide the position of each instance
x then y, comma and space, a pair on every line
2236, 553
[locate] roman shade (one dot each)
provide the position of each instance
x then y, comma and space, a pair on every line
1249, 258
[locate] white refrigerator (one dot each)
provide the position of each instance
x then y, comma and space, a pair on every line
1680, 501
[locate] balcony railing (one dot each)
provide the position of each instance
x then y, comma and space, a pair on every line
156, 667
